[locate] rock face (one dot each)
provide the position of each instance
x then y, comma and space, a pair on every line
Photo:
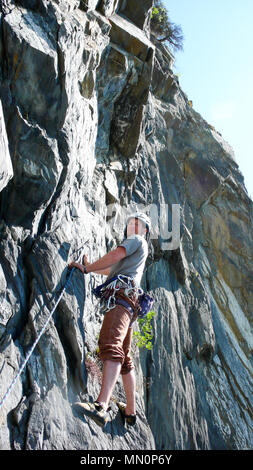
96, 120
6, 170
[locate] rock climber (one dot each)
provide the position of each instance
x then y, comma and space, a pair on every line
127, 260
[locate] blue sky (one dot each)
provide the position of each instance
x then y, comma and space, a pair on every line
216, 69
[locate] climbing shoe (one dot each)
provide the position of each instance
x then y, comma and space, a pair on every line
128, 419
94, 411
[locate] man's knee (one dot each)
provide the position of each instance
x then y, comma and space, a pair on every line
127, 366
111, 352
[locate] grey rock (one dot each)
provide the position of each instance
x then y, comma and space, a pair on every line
6, 170
108, 7
138, 13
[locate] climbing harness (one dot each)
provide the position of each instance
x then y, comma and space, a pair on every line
107, 292
35, 342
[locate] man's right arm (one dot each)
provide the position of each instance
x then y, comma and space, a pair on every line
103, 265
104, 272
107, 260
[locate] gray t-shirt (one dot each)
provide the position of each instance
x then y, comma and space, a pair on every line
133, 264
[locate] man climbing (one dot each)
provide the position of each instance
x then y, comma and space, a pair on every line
125, 264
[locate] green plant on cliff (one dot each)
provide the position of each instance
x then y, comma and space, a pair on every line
143, 338
163, 28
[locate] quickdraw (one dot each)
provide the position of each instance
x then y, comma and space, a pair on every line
106, 292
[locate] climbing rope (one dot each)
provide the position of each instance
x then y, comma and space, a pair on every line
35, 342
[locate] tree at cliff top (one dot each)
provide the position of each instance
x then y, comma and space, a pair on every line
163, 28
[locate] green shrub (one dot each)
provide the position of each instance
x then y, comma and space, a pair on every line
163, 28
143, 338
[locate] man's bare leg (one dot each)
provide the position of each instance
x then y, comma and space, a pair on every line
129, 387
111, 371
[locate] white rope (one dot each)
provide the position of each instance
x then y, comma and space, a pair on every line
34, 344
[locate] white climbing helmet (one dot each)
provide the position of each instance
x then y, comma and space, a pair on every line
141, 216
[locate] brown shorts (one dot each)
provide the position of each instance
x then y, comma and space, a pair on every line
116, 337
